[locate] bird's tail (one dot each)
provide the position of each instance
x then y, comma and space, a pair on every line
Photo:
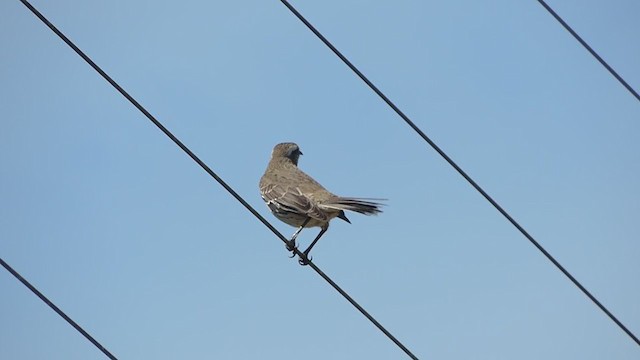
360, 205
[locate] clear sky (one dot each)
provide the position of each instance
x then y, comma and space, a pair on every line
142, 248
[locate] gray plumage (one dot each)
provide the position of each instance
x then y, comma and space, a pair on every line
298, 200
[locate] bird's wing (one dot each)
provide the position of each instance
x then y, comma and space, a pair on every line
291, 200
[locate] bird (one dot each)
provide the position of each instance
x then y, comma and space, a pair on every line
298, 200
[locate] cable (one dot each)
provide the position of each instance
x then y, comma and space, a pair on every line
214, 175
459, 169
586, 46
57, 309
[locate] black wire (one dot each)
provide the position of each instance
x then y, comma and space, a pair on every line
57, 309
586, 46
215, 176
458, 169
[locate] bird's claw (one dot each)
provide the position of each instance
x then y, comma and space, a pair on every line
304, 261
291, 246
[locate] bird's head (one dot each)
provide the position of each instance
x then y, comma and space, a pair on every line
287, 150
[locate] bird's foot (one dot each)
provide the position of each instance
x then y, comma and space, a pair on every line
291, 246
304, 261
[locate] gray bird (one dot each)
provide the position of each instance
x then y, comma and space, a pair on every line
298, 200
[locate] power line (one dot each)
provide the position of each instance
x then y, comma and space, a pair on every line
57, 309
458, 169
215, 176
593, 52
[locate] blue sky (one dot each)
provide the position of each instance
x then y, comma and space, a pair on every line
141, 247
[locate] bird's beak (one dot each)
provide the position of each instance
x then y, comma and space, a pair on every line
300, 152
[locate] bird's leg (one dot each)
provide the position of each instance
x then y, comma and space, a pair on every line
305, 260
291, 244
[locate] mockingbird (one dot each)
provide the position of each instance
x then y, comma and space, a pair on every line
298, 200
